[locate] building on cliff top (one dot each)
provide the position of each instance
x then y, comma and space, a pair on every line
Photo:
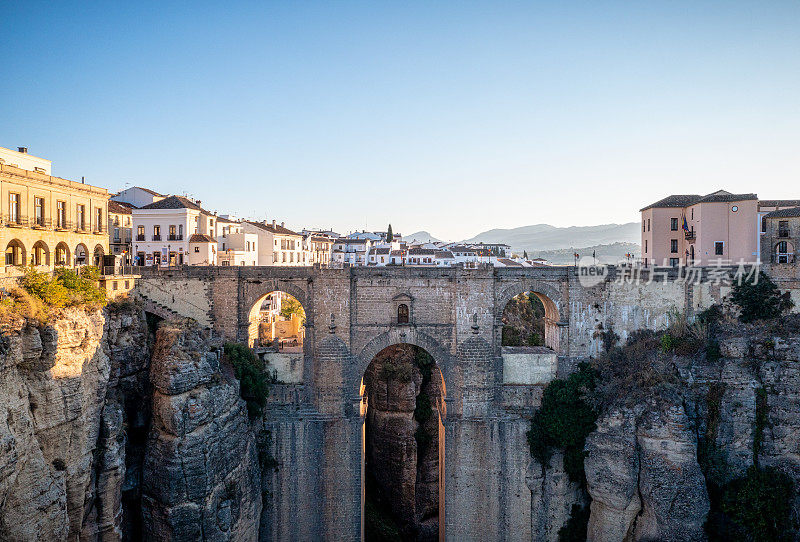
721, 227
47, 221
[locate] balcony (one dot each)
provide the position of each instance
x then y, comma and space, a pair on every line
140, 237
15, 220
156, 238
100, 228
783, 233
41, 223
80, 227
175, 238
62, 224
690, 236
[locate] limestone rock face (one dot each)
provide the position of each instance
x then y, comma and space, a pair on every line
201, 476
53, 382
643, 476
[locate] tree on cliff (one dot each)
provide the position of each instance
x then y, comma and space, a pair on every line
759, 299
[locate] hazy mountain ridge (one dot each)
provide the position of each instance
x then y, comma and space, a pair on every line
540, 237
421, 236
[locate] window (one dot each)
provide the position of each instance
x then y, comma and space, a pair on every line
156, 233
172, 236
763, 224
116, 235
38, 210
719, 248
783, 252
402, 313
783, 228
180, 232
673, 262
13, 208
197, 249
673, 224
645, 246
98, 226
61, 214
648, 224
140, 233
692, 213
673, 246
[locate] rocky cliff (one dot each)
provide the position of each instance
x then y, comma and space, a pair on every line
83, 458
674, 443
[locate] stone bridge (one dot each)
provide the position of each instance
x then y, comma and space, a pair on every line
490, 489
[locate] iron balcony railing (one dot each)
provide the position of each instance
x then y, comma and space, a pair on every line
63, 224
783, 232
15, 220
40, 222
100, 228
689, 235
174, 237
140, 237
156, 238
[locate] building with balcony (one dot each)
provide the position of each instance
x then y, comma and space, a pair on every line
47, 221
780, 238
164, 233
120, 228
720, 227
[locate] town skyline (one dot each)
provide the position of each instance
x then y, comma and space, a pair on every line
466, 115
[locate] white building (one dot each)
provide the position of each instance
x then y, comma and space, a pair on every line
278, 245
352, 251
173, 230
234, 246
137, 196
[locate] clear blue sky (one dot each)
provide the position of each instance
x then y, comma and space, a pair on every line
453, 117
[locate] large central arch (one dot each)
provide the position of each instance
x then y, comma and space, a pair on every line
421, 458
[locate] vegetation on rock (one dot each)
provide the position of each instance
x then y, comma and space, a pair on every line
254, 382
759, 299
523, 321
39, 294
564, 420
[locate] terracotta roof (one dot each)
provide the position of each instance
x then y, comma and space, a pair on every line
421, 252
444, 255
784, 213
117, 207
201, 238
174, 202
724, 196
277, 228
685, 200
509, 263
381, 251
677, 200
779, 203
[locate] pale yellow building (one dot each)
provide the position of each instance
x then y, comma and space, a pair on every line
48, 221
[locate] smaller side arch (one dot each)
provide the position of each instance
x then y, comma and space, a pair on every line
41, 253
81, 254
16, 253
62, 255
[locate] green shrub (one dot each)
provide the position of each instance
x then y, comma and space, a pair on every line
254, 382
759, 300
65, 288
564, 420
761, 503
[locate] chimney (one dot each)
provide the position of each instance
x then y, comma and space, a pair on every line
282, 223
23, 150
273, 223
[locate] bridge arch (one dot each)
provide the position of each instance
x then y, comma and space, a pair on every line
402, 335
555, 310
254, 292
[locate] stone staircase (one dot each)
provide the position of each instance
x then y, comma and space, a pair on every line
158, 309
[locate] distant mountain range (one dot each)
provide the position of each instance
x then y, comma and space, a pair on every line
545, 237
421, 236
609, 242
